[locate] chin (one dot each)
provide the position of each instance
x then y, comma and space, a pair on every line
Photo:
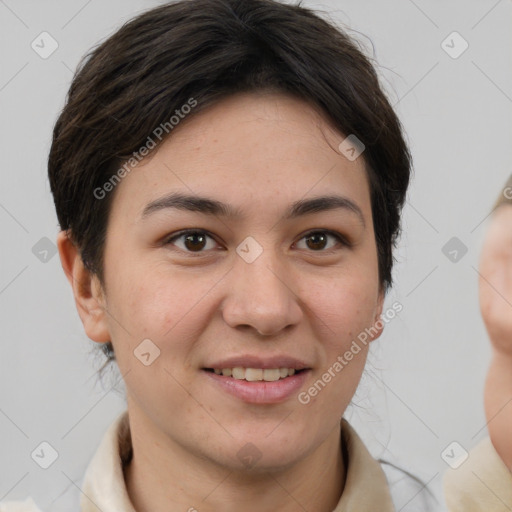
251, 461
263, 452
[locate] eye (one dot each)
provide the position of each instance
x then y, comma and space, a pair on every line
318, 240
193, 240
197, 241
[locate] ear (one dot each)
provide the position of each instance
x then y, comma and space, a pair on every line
378, 325
87, 290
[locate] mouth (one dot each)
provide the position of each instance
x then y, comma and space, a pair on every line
256, 374
262, 386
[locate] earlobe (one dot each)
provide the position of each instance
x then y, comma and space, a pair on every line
87, 290
378, 324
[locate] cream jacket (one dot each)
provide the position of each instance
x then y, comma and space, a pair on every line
481, 484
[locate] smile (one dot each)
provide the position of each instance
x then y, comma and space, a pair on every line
255, 374
258, 385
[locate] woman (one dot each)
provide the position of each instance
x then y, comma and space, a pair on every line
228, 177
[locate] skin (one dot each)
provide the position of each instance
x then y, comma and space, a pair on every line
260, 153
495, 289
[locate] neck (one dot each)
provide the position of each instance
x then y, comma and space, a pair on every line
162, 476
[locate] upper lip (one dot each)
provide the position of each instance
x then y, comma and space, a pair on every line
250, 361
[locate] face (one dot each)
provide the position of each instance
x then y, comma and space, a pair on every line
275, 279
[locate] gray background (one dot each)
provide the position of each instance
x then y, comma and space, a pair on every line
423, 387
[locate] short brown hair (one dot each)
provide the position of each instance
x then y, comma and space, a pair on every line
207, 50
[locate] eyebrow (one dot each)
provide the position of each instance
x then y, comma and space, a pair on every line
209, 206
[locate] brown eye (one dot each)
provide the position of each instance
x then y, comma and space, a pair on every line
318, 240
192, 241
195, 241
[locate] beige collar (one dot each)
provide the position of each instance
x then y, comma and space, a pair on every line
366, 487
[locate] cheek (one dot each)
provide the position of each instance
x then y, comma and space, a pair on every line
166, 307
168, 311
343, 310
343, 307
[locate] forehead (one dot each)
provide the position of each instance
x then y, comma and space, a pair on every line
249, 149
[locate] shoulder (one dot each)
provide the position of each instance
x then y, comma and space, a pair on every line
481, 483
19, 506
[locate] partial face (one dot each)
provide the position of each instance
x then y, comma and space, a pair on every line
275, 280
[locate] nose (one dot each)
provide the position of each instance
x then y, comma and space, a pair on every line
261, 296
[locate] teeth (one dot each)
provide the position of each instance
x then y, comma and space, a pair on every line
256, 374
238, 373
271, 375
252, 374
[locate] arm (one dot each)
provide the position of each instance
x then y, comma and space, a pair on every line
495, 293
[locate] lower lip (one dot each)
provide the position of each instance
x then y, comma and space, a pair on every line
260, 392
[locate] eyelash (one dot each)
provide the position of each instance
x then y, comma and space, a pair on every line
340, 239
